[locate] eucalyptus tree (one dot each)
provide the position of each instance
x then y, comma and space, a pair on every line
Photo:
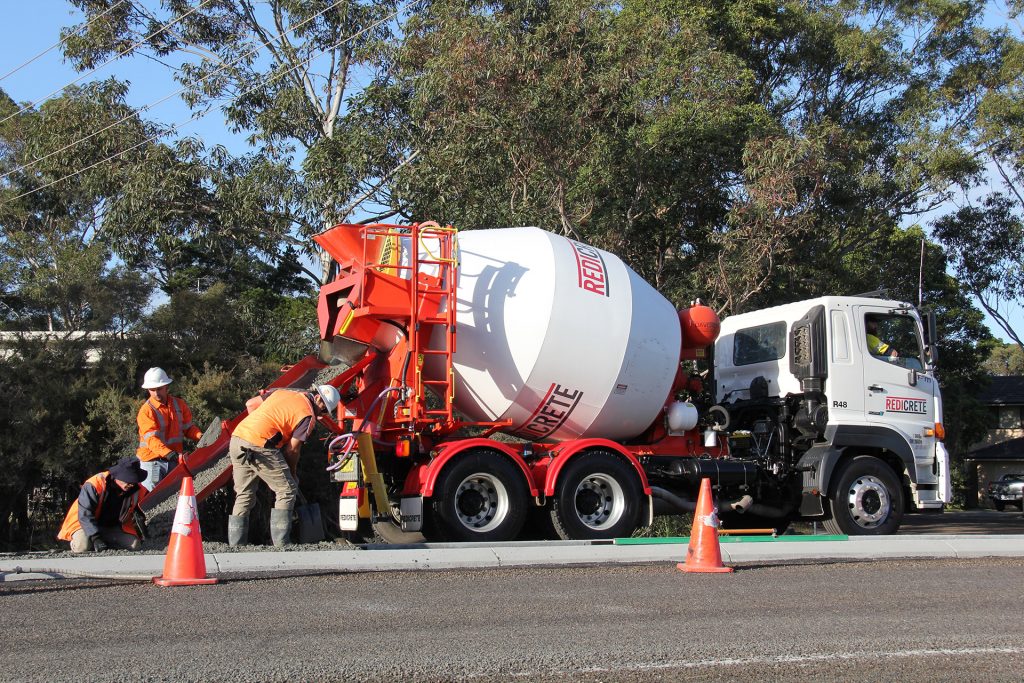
615, 123
284, 72
746, 149
986, 236
59, 272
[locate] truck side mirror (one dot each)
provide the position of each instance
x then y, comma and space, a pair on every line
912, 377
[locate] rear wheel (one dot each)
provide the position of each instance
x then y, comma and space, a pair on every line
866, 499
598, 496
482, 496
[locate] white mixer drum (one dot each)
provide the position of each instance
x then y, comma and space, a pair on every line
560, 337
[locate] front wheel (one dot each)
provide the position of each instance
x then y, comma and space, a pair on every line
482, 496
599, 496
866, 499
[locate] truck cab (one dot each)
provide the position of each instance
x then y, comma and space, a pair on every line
846, 391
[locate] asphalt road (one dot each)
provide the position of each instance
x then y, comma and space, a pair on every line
938, 620
979, 521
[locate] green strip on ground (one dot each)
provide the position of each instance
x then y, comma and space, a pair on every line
732, 539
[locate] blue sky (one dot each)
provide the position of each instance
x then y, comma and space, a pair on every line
30, 27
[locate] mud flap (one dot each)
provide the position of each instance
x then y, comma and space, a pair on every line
412, 513
348, 509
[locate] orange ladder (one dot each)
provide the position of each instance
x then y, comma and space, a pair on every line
440, 286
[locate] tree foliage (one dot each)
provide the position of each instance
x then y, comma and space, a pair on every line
621, 126
286, 70
58, 270
1004, 359
986, 237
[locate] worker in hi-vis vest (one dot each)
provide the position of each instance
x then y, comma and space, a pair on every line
103, 514
876, 346
266, 445
164, 423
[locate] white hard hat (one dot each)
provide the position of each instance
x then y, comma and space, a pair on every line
330, 396
155, 378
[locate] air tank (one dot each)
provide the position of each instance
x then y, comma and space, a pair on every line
559, 337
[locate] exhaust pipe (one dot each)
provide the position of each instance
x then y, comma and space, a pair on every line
668, 503
747, 506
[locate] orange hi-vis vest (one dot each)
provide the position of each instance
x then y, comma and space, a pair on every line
272, 424
99, 482
161, 428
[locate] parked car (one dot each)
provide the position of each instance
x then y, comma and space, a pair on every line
1008, 488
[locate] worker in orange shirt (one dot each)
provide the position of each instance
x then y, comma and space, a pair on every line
266, 445
164, 421
103, 514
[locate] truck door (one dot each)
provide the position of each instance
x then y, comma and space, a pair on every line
895, 395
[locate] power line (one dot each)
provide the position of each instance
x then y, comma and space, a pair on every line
151, 105
174, 128
62, 40
115, 57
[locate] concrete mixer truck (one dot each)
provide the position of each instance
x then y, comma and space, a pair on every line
496, 380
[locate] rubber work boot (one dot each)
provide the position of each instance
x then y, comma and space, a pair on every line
281, 527
238, 530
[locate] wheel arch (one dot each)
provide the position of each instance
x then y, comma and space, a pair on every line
883, 443
822, 462
571, 449
448, 452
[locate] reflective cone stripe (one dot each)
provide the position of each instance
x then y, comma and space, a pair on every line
704, 553
185, 564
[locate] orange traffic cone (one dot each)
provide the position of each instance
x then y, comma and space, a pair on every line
185, 564
704, 553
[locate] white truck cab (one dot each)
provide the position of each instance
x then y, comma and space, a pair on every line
848, 387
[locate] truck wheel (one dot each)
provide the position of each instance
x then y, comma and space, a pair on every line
599, 496
999, 505
866, 499
480, 497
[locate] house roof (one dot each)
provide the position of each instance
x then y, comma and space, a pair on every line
1008, 390
1011, 449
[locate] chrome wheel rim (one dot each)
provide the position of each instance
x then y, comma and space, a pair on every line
869, 501
600, 501
481, 502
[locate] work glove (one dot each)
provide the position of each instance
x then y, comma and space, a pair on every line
98, 544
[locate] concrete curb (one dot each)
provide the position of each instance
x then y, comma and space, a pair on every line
520, 554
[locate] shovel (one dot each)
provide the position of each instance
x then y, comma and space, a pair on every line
310, 527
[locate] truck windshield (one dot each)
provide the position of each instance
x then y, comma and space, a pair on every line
894, 339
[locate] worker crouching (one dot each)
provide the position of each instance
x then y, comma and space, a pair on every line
266, 445
103, 515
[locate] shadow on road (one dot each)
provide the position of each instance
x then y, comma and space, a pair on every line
964, 522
